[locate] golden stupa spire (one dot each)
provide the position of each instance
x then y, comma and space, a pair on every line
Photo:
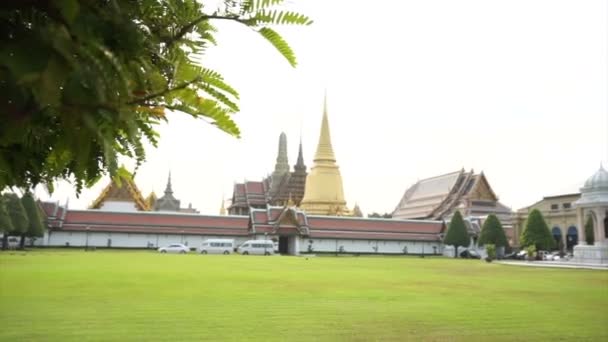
324, 149
323, 194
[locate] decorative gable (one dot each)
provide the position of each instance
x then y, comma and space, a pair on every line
123, 190
481, 190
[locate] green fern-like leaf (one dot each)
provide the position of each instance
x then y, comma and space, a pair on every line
260, 4
279, 43
279, 18
216, 80
220, 97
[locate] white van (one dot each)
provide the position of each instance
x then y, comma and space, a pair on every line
217, 246
261, 247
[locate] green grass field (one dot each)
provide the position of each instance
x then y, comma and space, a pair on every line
68, 295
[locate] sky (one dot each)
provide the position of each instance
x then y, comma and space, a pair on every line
517, 89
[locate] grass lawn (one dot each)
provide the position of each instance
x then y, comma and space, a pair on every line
69, 295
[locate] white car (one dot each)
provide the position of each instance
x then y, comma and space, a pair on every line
175, 248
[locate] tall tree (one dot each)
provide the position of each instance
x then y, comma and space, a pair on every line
589, 233
35, 227
457, 234
84, 82
17, 213
6, 225
492, 232
536, 232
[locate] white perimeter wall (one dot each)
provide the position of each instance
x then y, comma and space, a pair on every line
368, 246
127, 240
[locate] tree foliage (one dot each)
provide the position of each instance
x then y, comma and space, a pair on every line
84, 82
457, 234
6, 225
589, 233
536, 232
492, 232
17, 214
35, 227
378, 215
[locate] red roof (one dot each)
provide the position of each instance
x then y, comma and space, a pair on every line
374, 225
313, 226
255, 188
155, 219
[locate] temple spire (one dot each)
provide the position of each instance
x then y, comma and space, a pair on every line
282, 164
323, 194
281, 168
168, 189
300, 166
324, 149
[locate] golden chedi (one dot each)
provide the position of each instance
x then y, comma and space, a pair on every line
323, 194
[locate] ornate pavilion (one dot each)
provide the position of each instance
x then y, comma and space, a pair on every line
437, 198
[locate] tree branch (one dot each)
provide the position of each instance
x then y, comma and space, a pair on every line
163, 92
182, 32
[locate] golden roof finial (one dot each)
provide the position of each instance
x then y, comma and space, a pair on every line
324, 150
222, 208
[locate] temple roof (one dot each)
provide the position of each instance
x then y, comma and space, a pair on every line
272, 220
121, 188
168, 202
437, 197
248, 193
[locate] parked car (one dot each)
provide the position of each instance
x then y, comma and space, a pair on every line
470, 254
554, 256
522, 255
217, 246
175, 248
511, 256
261, 247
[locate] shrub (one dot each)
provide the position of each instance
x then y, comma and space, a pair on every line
537, 232
457, 234
491, 251
531, 251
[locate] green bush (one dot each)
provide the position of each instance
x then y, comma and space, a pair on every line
537, 232
492, 232
491, 251
531, 251
457, 234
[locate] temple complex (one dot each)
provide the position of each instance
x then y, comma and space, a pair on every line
281, 188
123, 195
323, 194
437, 198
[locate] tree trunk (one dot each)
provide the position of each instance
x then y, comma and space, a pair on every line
4, 241
455, 252
22, 242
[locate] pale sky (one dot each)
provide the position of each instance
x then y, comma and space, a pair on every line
516, 89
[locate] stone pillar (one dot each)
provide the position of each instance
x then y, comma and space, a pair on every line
580, 218
296, 245
600, 236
